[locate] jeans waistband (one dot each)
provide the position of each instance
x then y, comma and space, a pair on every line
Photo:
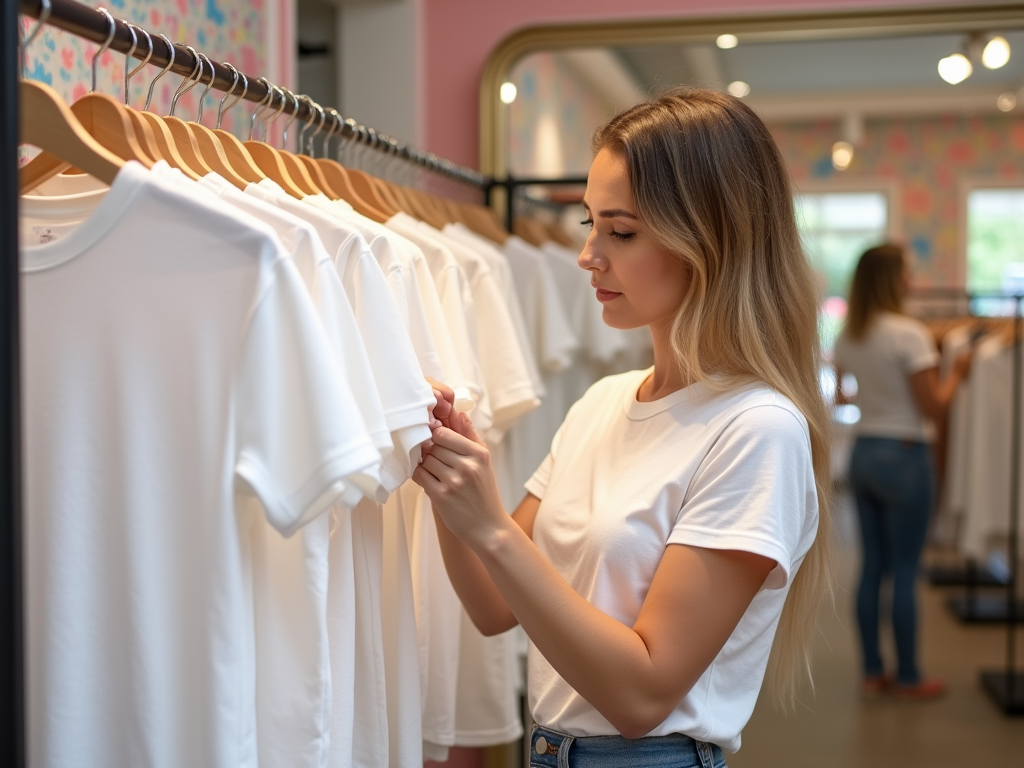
552, 749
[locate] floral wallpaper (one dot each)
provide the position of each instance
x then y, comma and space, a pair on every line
225, 30
926, 158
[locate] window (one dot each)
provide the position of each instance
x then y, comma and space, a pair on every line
995, 242
836, 228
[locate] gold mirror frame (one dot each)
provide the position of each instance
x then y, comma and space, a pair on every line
782, 26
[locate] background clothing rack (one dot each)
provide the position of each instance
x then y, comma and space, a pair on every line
89, 24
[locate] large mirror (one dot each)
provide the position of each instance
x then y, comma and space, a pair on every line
901, 127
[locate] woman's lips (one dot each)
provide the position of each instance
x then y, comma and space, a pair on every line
603, 295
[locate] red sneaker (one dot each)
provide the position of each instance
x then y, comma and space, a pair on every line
874, 686
928, 688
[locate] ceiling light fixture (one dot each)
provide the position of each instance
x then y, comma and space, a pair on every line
842, 155
1007, 101
739, 89
955, 69
728, 41
508, 92
996, 53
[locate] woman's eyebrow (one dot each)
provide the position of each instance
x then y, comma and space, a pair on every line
617, 213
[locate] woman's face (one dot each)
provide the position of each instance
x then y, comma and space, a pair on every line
638, 282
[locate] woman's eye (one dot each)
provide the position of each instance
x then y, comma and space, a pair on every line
623, 236
587, 223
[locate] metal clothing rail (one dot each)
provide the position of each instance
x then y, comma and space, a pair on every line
91, 24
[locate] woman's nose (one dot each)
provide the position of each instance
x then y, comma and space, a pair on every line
589, 258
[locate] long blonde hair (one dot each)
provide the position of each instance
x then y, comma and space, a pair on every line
710, 186
876, 287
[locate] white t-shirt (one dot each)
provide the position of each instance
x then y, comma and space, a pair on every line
624, 479
159, 382
403, 390
894, 347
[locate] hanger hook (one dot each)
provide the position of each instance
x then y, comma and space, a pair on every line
294, 116
213, 76
320, 126
188, 83
44, 13
106, 44
128, 56
162, 72
260, 107
129, 75
332, 129
268, 122
235, 74
305, 123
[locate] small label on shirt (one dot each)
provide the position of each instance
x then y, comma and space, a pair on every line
46, 233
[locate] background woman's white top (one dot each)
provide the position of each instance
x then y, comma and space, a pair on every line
624, 479
894, 347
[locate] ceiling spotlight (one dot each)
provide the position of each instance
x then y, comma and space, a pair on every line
731, 41
508, 92
996, 53
1006, 101
955, 69
739, 89
842, 155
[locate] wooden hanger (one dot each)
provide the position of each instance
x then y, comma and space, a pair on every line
48, 123
238, 156
107, 122
266, 157
210, 148
337, 176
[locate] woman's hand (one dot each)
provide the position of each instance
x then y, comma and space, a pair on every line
457, 476
440, 411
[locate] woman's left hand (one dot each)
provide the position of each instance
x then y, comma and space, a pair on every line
457, 476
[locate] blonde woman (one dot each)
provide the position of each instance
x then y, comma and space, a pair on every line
677, 525
894, 360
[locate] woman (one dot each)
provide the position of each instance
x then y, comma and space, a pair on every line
894, 360
652, 556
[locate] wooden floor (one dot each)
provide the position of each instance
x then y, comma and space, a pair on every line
836, 729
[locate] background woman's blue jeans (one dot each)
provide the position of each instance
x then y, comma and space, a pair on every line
893, 482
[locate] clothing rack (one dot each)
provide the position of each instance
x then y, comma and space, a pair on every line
93, 25
510, 184
1005, 686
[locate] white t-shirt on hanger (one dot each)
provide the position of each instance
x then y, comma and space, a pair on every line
172, 357
403, 390
625, 479
397, 610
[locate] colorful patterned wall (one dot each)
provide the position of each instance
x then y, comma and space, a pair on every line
552, 118
926, 159
225, 30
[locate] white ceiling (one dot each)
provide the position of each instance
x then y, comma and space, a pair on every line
809, 79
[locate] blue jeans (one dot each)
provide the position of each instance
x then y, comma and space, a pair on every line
892, 481
551, 749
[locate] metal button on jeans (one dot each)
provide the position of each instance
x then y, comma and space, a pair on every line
541, 746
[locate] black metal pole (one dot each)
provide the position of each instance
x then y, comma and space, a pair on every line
12, 711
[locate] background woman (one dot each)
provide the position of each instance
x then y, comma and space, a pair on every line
652, 557
894, 360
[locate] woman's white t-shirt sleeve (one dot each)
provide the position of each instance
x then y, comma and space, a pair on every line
750, 491
918, 349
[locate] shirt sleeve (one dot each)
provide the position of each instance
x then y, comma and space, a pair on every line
918, 349
298, 433
538, 482
755, 492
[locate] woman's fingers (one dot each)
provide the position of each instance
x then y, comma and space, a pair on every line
446, 456
438, 469
453, 441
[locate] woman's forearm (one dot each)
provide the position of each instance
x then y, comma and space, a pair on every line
605, 661
483, 602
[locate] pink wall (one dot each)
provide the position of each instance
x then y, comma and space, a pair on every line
459, 35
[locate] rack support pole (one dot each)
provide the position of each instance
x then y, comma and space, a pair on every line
12, 739
1006, 686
